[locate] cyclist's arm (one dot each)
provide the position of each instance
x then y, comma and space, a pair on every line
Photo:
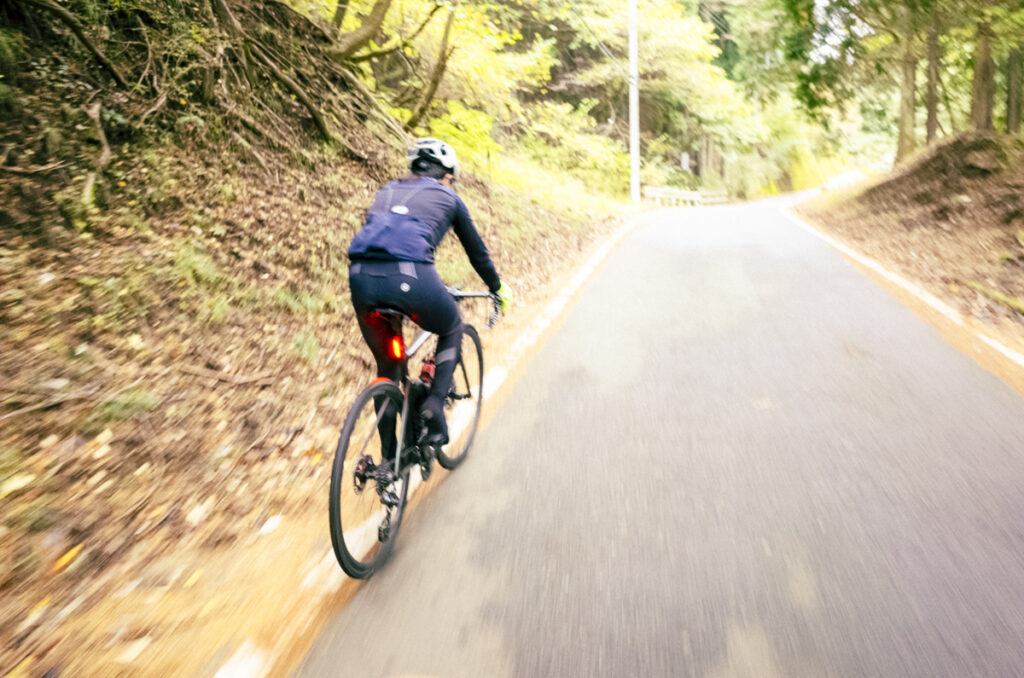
474, 245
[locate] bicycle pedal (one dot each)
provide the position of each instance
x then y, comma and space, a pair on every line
427, 456
384, 529
363, 471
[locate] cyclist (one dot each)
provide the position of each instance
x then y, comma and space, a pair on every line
392, 266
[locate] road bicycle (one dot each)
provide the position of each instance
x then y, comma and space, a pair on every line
383, 439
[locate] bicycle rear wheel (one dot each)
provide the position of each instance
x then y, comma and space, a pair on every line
466, 399
367, 499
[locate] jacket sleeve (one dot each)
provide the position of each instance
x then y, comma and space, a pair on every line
474, 245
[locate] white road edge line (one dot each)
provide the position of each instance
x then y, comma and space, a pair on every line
927, 297
325, 578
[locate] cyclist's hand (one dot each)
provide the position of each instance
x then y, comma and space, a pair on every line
504, 295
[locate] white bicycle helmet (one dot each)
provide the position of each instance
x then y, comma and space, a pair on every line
435, 150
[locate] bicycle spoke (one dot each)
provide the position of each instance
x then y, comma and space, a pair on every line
366, 505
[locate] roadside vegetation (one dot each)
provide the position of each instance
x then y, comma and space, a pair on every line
179, 182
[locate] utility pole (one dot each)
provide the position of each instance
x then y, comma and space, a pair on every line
634, 104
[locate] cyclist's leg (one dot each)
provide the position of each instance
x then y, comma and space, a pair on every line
437, 312
377, 331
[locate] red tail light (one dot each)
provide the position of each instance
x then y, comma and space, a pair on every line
397, 348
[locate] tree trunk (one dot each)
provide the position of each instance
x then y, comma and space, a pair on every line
908, 94
435, 78
1014, 83
984, 88
932, 94
350, 43
954, 124
339, 13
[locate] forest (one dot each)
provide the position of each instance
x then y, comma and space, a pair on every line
754, 90
179, 181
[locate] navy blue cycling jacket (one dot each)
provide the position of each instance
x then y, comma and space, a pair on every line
408, 220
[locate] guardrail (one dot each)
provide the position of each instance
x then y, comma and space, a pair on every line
673, 197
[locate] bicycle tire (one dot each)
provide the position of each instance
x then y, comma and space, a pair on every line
357, 517
466, 398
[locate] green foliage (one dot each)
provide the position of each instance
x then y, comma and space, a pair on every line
123, 406
306, 347
12, 51
12, 46
10, 461
554, 189
300, 302
453, 266
218, 308
559, 137
10, 102
197, 268
469, 131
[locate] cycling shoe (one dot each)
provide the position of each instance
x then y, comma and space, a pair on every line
432, 415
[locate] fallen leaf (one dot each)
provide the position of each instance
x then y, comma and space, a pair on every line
196, 515
272, 524
41, 605
191, 581
15, 483
133, 649
34, 616
21, 670
66, 559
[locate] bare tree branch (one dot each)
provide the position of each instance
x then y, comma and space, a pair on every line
403, 41
339, 13
352, 42
435, 79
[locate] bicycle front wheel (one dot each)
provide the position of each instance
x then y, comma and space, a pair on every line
466, 399
367, 498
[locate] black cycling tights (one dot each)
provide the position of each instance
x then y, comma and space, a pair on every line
416, 290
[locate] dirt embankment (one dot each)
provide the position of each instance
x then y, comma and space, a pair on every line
175, 333
951, 220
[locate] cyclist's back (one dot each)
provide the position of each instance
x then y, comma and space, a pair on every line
409, 218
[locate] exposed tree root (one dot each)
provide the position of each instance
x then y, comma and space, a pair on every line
89, 394
249, 149
28, 171
71, 22
90, 183
294, 88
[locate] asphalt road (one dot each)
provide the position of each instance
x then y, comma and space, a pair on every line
738, 457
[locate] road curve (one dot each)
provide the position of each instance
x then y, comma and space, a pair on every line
737, 458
